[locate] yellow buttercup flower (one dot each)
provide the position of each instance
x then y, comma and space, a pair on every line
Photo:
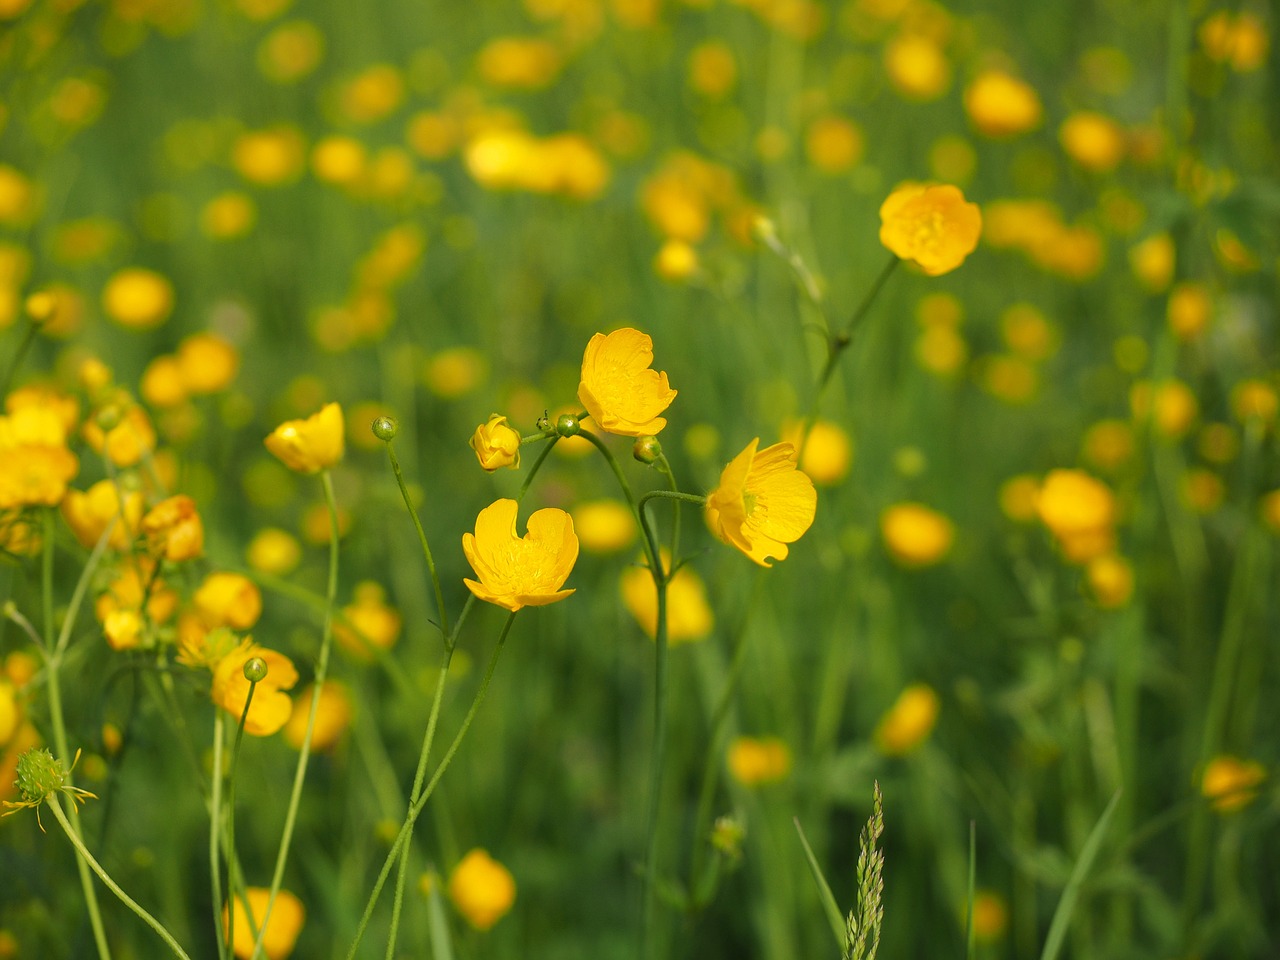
1001, 105
208, 364
909, 721
370, 622
271, 706
287, 917
333, 716
915, 535
310, 445
930, 225
137, 298
754, 762
482, 889
763, 502
1231, 783
1080, 512
604, 526
618, 389
523, 571
496, 444
228, 600
173, 529
89, 513
689, 616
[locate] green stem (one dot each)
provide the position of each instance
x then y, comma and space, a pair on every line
231, 825
304, 754
537, 465
648, 936
28, 338
406, 829
422, 539
215, 821
87, 858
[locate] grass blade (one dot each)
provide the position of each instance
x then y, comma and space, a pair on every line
834, 917
1071, 892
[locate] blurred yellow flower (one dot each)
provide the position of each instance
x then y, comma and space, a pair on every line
517, 571
917, 67
228, 600
271, 706
1189, 310
173, 529
137, 298
207, 363
833, 143
1231, 783
1108, 445
763, 502
1237, 39
916, 535
754, 762
1028, 332
270, 158
18, 197
89, 513
333, 716
339, 160
1018, 497
454, 372
618, 388
604, 526
273, 551
1001, 105
229, 215
310, 445
519, 62
1080, 512
689, 616
910, 720
287, 917
482, 889
1153, 261
990, 916
713, 70
931, 225
1171, 406
130, 436
1254, 400
161, 384
290, 51
1092, 140
496, 444
1111, 579
372, 94
828, 453
676, 260
370, 622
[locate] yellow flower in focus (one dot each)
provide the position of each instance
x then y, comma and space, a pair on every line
1001, 105
1111, 580
207, 363
754, 762
271, 706
1231, 783
89, 513
270, 158
496, 444
604, 526
523, 571
370, 622
137, 298
310, 445
917, 67
228, 600
1093, 140
173, 529
273, 551
931, 225
333, 716
1189, 310
618, 389
287, 917
689, 616
762, 503
1080, 512
910, 720
482, 889
916, 535
828, 453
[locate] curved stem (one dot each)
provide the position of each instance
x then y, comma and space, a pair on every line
422, 539
406, 829
87, 858
304, 754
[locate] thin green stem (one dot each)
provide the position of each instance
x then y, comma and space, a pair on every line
28, 338
215, 830
648, 936
231, 823
304, 753
406, 829
422, 539
537, 465
664, 465
87, 858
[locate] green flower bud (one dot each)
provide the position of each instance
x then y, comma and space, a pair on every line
39, 774
109, 417
568, 425
647, 449
385, 429
255, 669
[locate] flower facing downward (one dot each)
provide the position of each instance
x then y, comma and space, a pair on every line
523, 571
310, 445
763, 502
618, 389
931, 225
496, 444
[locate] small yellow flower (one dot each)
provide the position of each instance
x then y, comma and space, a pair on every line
762, 503
173, 529
915, 535
1111, 580
1231, 783
754, 762
689, 616
1093, 140
909, 721
1001, 105
287, 917
208, 364
228, 600
1080, 512
618, 389
310, 445
273, 551
496, 444
828, 452
271, 706
333, 716
917, 67
604, 526
370, 622
518, 571
930, 225
482, 889
137, 298
1189, 310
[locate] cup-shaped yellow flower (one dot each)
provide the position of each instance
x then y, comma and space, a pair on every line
496, 444
310, 445
931, 225
519, 571
763, 502
618, 389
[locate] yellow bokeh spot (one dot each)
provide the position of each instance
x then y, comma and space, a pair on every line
137, 298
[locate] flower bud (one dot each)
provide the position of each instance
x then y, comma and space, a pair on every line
496, 444
255, 669
568, 425
647, 449
385, 429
